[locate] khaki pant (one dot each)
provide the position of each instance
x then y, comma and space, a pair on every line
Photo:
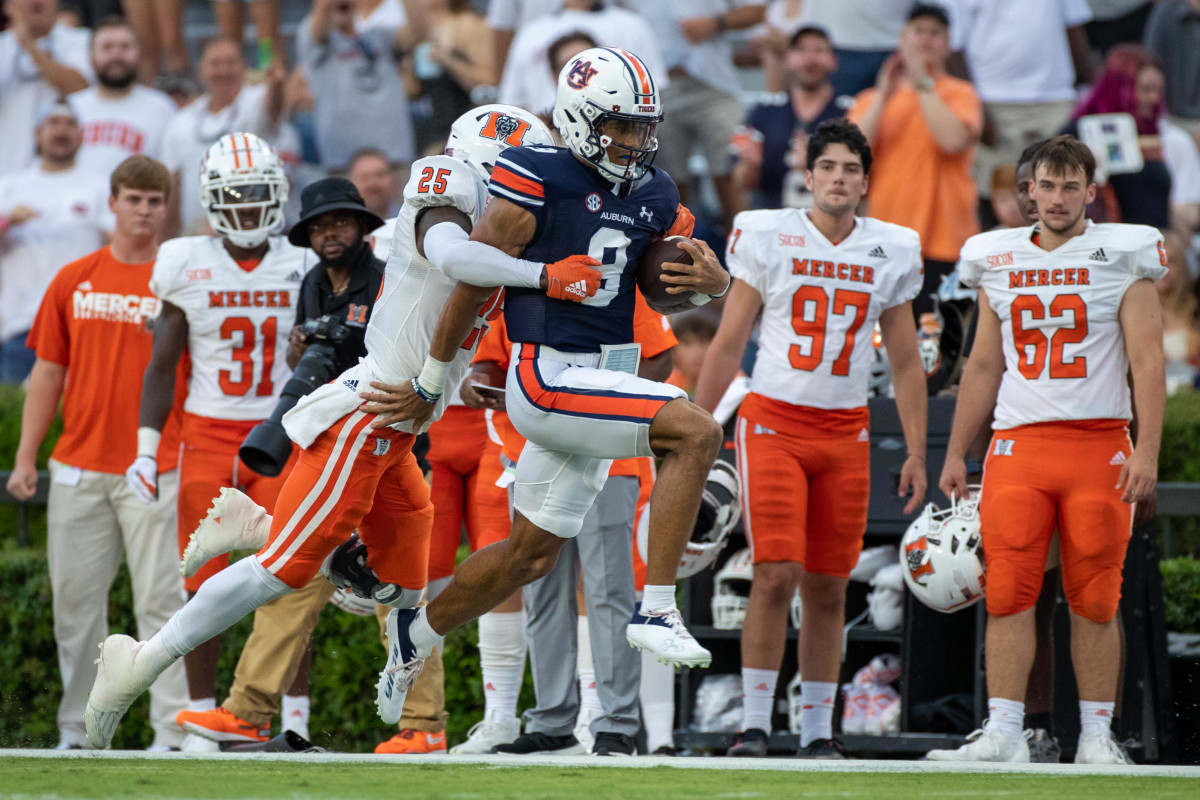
282, 629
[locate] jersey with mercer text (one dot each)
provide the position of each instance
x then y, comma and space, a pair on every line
238, 321
1064, 349
405, 316
577, 212
820, 301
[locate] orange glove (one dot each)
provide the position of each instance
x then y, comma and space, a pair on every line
572, 278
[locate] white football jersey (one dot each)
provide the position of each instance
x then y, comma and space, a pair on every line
238, 321
1064, 351
401, 328
820, 301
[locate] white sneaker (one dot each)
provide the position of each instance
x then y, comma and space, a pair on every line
583, 728
402, 668
664, 635
119, 682
795, 704
487, 733
1043, 748
1099, 747
198, 744
985, 745
233, 522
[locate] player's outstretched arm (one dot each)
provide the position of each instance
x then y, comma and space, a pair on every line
724, 356
1141, 322
976, 397
158, 395
41, 404
899, 331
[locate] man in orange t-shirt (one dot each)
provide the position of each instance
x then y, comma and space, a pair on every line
93, 327
923, 125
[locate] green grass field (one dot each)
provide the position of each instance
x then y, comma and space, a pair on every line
48, 779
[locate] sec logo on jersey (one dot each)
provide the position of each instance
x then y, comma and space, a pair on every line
594, 202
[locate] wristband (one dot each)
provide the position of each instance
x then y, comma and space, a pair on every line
147, 441
724, 291
424, 395
433, 376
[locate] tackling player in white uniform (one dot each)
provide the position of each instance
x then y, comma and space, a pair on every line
821, 278
1067, 310
351, 476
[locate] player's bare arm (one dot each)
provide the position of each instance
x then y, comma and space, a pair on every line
908, 379
158, 395
976, 397
724, 356
41, 404
1141, 323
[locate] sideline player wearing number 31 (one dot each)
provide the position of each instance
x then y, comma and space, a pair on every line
1067, 309
572, 388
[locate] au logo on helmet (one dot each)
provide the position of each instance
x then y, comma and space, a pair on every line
581, 74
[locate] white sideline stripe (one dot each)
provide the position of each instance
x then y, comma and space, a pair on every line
719, 762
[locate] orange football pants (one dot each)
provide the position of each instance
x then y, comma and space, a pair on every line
456, 443
208, 462
1064, 474
806, 482
353, 478
491, 501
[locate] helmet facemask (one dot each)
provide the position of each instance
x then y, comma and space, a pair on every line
244, 213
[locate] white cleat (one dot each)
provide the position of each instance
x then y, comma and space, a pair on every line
1100, 748
233, 522
663, 635
195, 743
490, 731
119, 682
985, 745
403, 667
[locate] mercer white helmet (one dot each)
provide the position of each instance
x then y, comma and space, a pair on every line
479, 136
940, 558
243, 189
605, 94
720, 510
731, 591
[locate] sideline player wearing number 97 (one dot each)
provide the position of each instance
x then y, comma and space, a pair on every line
821, 279
1067, 309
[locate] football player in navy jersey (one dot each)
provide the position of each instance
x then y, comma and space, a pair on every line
572, 391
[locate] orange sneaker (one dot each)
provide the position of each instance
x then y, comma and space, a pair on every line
220, 725
411, 742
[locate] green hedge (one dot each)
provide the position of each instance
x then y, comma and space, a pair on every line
1181, 594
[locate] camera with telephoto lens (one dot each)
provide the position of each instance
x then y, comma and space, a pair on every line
268, 447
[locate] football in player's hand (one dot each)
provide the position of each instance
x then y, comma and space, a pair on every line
659, 253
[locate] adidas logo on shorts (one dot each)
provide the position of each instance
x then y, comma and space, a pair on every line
877, 252
1117, 460
1098, 255
863, 436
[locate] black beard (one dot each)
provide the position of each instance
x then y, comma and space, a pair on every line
109, 81
347, 259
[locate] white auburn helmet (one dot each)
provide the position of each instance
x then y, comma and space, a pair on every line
241, 171
940, 558
604, 85
479, 136
731, 591
720, 510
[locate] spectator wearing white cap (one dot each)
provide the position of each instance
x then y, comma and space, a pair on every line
40, 59
119, 116
50, 214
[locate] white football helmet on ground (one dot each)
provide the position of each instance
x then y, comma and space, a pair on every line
720, 510
604, 93
731, 591
479, 136
940, 557
243, 188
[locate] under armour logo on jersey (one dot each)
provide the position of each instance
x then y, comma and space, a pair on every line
578, 288
1004, 447
352, 385
381, 447
1098, 255
295, 275
647, 213
1117, 460
877, 252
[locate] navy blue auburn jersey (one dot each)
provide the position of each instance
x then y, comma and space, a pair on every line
577, 212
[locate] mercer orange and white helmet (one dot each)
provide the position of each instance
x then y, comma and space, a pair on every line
604, 93
479, 136
243, 189
940, 555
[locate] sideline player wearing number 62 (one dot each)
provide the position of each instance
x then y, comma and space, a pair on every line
1067, 309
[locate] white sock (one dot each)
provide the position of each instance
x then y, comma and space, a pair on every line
816, 711
502, 661
658, 702
589, 697
423, 637
1006, 717
203, 704
658, 598
1095, 718
296, 710
758, 696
